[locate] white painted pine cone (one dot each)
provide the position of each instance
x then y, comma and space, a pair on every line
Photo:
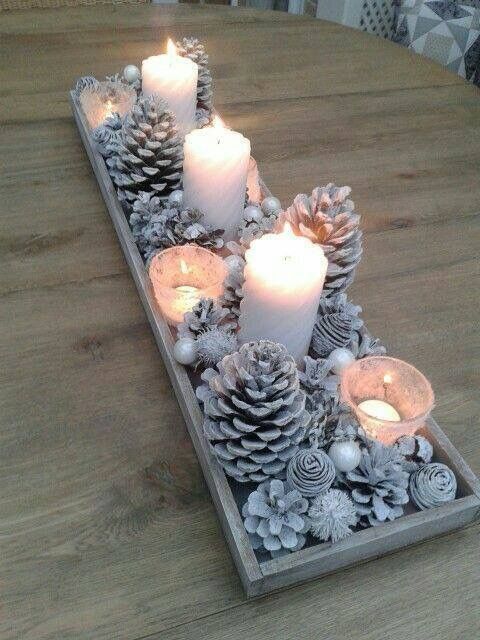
432, 485
311, 472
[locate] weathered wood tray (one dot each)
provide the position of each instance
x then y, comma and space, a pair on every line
262, 577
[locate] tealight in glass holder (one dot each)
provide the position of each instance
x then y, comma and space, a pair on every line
103, 99
182, 275
389, 397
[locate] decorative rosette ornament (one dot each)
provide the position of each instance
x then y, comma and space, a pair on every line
311, 472
276, 518
254, 410
432, 485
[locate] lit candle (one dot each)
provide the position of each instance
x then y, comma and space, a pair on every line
215, 170
174, 78
284, 276
182, 275
380, 410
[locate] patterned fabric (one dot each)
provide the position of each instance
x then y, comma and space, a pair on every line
444, 30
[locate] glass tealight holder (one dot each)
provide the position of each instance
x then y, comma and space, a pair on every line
182, 275
389, 397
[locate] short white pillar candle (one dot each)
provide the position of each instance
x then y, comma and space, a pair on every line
284, 278
174, 78
215, 171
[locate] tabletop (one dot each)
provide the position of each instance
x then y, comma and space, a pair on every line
107, 527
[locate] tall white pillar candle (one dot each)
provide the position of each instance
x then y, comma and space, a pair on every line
215, 169
284, 278
174, 79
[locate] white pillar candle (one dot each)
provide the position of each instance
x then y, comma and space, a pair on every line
215, 169
173, 78
284, 278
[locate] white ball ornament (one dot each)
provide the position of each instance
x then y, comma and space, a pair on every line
345, 455
185, 351
131, 73
175, 199
340, 359
252, 213
271, 206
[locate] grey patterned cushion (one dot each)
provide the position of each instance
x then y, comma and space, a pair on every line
445, 30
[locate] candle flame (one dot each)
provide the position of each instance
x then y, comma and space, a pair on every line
183, 266
171, 48
108, 108
387, 379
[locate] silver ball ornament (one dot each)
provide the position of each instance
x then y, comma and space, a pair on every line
345, 455
185, 351
131, 73
252, 213
340, 359
271, 206
175, 199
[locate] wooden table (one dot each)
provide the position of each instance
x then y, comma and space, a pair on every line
107, 529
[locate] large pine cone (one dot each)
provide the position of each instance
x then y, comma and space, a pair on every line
149, 155
254, 411
195, 50
328, 218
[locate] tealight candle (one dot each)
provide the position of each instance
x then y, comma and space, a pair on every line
105, 98
389, 397
284, 276
182, 275
174, 78
215, 171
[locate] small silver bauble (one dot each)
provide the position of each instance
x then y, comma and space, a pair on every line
131, 73
271, 206
345, 455
234, 262
340, 359
185, 351
175, 199
252, 213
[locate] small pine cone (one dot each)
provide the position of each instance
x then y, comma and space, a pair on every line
416, 450
214, 344
364, 345
145, 207
233, 288
206, 314
149, 155
432, 485
107, 134
276, 518
337, 425
320, 385
254, 409
195, 50
336, 325
85, 82
332, 514
328, 218
310, 472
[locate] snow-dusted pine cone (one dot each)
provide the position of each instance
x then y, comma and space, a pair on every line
332, 514
378, 485
320, 385
254, 409
233, 287
328, 218
336, 325
195, 50
339, 424
149, 155
276, 518
310, 472
107, 134
416, 450
432, 485
206, 314
363, 344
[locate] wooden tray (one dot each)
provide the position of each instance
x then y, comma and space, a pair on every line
262, 577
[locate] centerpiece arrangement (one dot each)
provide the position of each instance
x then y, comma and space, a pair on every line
308, 434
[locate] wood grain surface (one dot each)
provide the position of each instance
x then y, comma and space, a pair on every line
107, 530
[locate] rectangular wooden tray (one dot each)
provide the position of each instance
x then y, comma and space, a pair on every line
315, 561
